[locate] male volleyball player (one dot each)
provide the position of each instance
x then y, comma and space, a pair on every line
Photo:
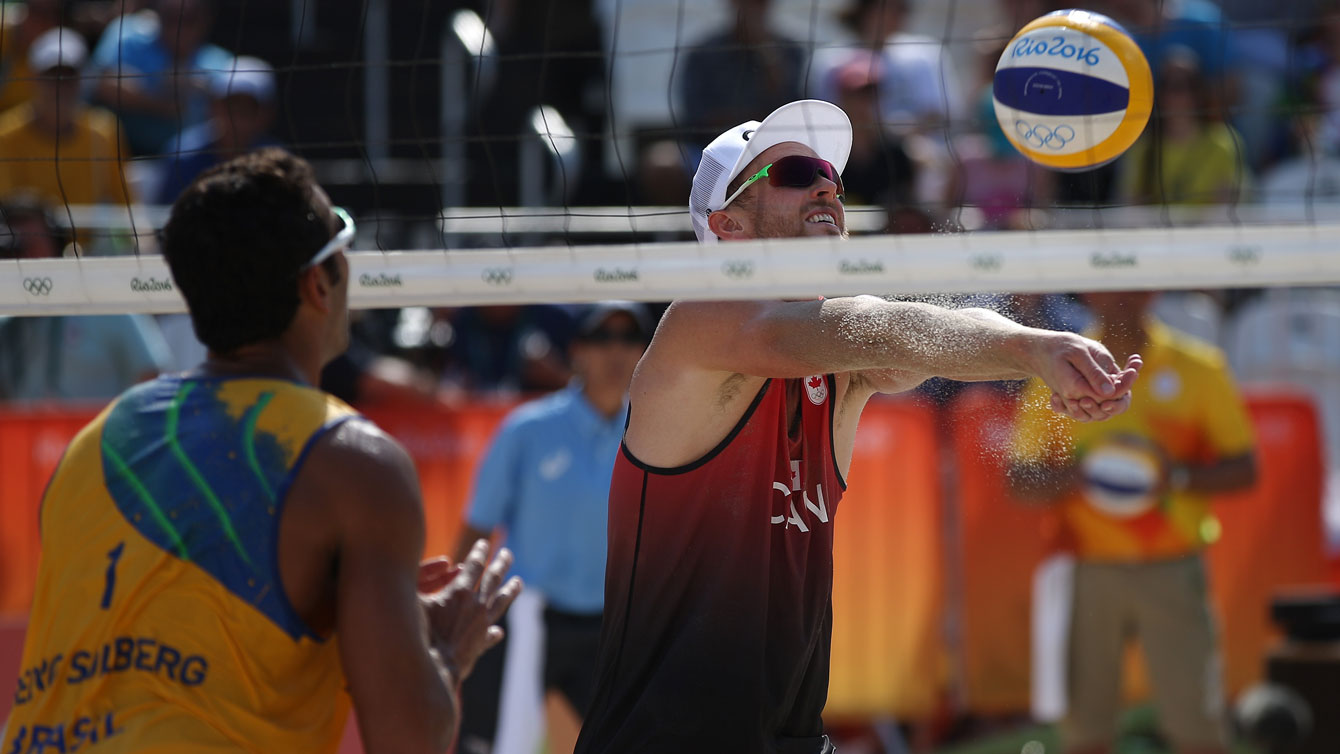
225, 551
742, 420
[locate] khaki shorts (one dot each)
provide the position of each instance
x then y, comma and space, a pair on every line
1165, 606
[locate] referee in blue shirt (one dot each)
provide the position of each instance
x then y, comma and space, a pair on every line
544, 483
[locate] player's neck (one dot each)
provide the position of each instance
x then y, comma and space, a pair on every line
268, 359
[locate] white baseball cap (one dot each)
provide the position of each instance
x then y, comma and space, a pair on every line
819, 125
248, 76
57, 48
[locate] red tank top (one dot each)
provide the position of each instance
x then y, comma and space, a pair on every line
718, 587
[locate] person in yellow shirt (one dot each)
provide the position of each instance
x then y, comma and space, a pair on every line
1134, 495
56, 146
20, 24
1187, 156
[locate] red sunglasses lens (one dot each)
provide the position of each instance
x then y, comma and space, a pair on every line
798, 171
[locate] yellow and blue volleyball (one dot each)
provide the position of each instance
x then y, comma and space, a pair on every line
1120, 480
1072, 90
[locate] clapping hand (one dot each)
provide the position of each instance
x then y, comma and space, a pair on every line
464, 602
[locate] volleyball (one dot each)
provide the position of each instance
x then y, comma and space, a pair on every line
1120, 480
1072, 90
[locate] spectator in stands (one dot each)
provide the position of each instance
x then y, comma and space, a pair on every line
878, 171
1015, 13
1160, 28
507, 349
990, 177
154, 70
735, 73
19, 26
550, 52
1312, 172
80, 358
1187, 155
919, 91
55, 145
241, 113
918, 86
545, 482
1164, 29
1134, 497
1261, 38
1320, 61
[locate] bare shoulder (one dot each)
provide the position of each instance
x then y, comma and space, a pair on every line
695, 352
362, 473
685, 395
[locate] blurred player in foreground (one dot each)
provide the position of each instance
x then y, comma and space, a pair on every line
1134, 496
226, 551
742, 420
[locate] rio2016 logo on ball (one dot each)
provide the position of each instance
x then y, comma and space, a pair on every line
1072, 90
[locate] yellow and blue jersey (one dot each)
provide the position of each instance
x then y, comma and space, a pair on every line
160, 622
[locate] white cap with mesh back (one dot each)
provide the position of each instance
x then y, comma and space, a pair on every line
819, 125
248, 76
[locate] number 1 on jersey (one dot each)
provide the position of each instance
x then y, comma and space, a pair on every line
113, 555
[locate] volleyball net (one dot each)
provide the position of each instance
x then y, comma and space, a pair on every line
496, 154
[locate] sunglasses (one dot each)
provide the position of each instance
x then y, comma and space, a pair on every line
794, 171
601, 336
340, 242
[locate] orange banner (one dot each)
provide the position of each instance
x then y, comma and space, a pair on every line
999, 544
888, 659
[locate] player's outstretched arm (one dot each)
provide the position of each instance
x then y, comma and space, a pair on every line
916, 341
404, 679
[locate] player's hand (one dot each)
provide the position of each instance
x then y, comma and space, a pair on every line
462, 613
1088, 410
1086, 383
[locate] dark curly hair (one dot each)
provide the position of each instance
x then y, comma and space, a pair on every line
236, 241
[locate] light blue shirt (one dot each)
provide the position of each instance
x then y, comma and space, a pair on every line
77, 358
546, 480
131, 46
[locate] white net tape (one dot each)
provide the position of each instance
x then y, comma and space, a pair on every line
1031, 261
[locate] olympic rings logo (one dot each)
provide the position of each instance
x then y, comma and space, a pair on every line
497, 275
1042, 136
37, 286
738, 269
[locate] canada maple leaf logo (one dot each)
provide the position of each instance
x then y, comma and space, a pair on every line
816, 388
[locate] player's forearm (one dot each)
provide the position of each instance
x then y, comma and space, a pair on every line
871, 333
421, 715
449, 718
436, 725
